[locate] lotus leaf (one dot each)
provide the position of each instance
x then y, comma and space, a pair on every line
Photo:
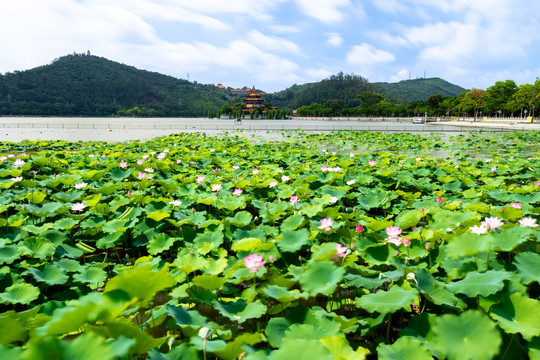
527, 264
321, 277
517, 313
404, 348
385, 302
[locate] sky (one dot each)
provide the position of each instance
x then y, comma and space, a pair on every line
273, 44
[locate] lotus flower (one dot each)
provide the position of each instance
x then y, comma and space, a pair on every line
80, 185
515, 205
492, 222
294, 200
237, 192
175, 202
200, 179
528, 222
326, 224
479, 230
254, 262
78, 206
18, 163
341, 251
17, 179
272, 184
216, 187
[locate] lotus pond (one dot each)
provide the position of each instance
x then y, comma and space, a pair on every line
349, 245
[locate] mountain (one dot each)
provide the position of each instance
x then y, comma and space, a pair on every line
81, 84
419, 89
86, 85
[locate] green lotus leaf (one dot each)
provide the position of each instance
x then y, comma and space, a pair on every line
468, 244
371, 199
11, 330
66, 320
184, 317
240, 219
212, 238
189, 263
434, 290
159, 243
292, 240
118, 174
527, 264
69, 265
84, 347
364, 282
312, 210
115, 225
321, 277
36, 197
240, 311
64, 224
318, 329
108, 189
509, 239
379, 254
141, 282
293, 222
378, 225
182, 352
110, 240
92, 200
405, 347
283, 294
20, 294
46, 210
158, 215
37, 247
534, 349
385, 302
407, 219
275, 329
209, 345
517, 313
236, 348
340, 349
300, 349
483, 284
465, 336
231, 202
8, 254
52, 274
93, 175
211, 282
8, 352
124, 327
32, 229
91, 275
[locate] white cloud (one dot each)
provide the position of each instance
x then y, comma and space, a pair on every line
272, 43
327, 11
366, 54
334, 39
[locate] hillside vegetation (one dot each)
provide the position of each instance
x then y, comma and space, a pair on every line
86, 85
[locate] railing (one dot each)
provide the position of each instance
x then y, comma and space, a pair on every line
265, 127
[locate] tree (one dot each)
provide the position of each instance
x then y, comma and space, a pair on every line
434, 102
473, 100
499, 95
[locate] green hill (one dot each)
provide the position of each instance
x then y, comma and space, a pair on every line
419, 89
80, 84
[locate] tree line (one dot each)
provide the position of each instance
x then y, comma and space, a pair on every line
503, 99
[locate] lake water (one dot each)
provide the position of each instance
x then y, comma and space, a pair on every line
16, 129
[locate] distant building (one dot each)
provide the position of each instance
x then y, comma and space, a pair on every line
243, 91
254, 100
221, 88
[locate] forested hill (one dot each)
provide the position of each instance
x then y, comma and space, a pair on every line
419, 89
80, 84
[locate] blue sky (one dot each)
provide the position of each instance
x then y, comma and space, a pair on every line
273, 44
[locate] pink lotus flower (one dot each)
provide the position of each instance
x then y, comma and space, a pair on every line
493, 168
200, 179
149, 170
406, 242
492, 222
141, 175
439, 200
393, 233
359, 228
341, 251
371, 163
237, 192
78, 206
479, 230
515, 205
123, 164
326, 224
528, 222
145, 156
161, 156
272, 184
254, 262
324, 168
139, 162
294, 200
255, 171
18, 163
216, 187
